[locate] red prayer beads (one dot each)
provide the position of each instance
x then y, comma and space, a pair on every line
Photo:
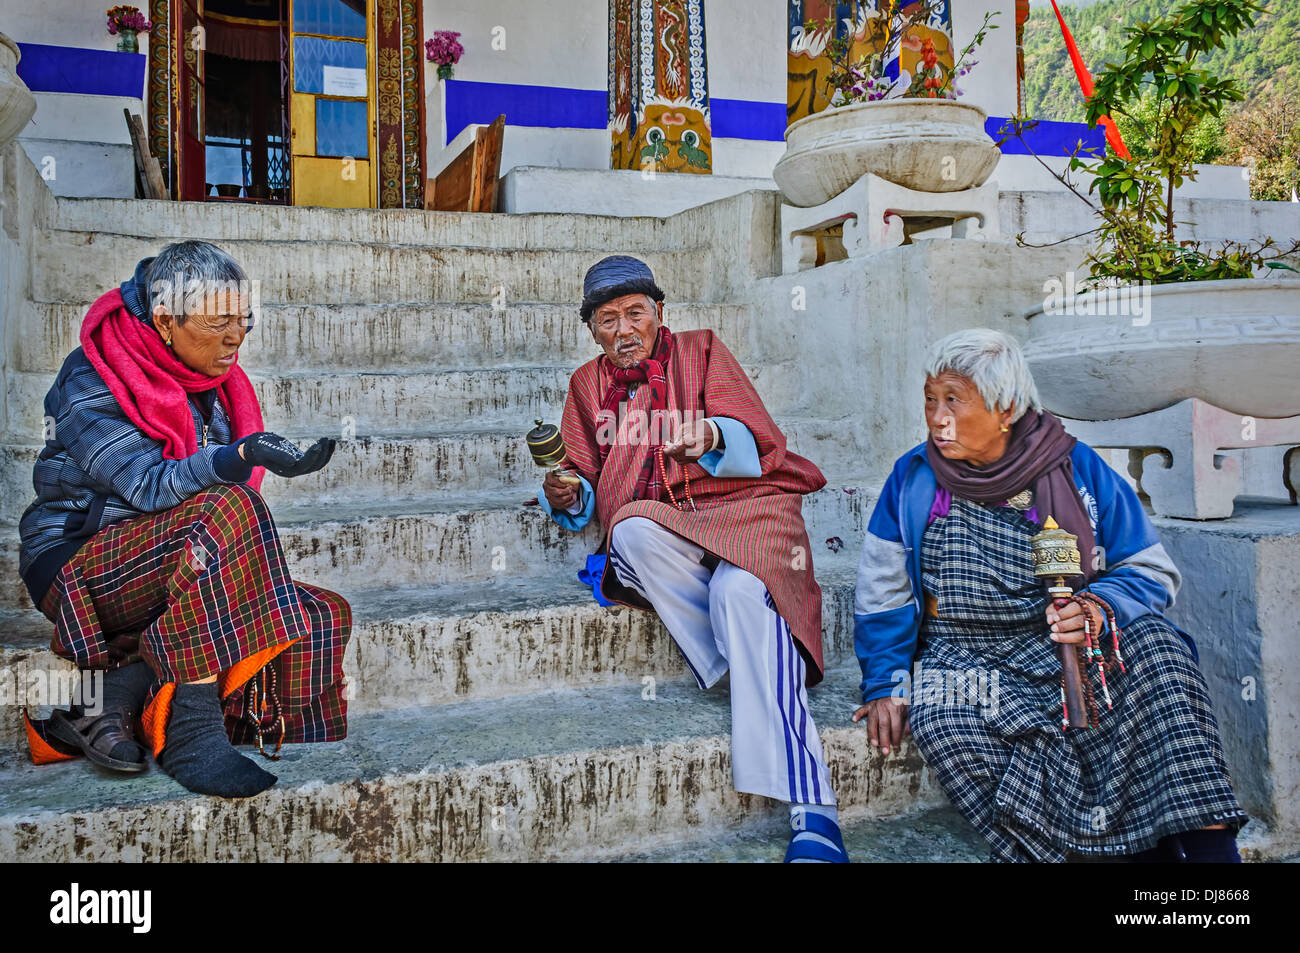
663, 476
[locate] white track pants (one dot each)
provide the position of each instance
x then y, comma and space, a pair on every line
723, 619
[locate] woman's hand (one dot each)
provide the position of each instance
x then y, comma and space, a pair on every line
282, 457
561, 489
886, 722
695, 440
1067, 622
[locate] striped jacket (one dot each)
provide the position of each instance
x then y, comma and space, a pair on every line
1139, 579
99, 468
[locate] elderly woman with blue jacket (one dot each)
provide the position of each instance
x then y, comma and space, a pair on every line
958, 642
151, 550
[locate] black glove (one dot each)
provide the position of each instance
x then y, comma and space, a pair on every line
282, 457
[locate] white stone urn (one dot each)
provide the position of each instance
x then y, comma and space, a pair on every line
1119, 353
17, 105
930, 145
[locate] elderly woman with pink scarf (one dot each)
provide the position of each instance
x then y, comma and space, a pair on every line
151, 550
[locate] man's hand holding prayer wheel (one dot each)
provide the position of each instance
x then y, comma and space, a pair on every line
561, 488
1067, 622
697, 438
886, 722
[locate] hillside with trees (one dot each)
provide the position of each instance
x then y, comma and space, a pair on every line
1263, 131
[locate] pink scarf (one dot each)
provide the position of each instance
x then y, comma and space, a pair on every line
153, 387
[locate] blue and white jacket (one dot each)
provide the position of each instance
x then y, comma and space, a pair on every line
1139, 579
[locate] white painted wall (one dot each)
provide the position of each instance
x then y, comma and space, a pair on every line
992, 84
746, 49
78, 142
79, 23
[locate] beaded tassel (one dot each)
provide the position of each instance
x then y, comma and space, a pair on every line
663, 476
259, 691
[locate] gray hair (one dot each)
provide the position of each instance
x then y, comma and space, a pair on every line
993, 362
184, 273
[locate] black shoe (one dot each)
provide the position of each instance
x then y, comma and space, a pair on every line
107, 739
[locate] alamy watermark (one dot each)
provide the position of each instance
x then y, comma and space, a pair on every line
41, 686
1067, 297
947, 686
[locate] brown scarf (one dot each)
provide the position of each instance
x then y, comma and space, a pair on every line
1037, 457
653, 373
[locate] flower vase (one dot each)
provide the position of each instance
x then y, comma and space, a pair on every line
445, 70
126, 42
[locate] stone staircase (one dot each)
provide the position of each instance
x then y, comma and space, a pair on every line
496, 712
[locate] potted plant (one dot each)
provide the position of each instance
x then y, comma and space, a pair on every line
126, 22
1163, 319
910, 130
444, 49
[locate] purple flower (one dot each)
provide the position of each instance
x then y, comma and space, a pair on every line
444, 49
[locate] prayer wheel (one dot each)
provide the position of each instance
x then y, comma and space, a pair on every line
1056, 556
546, 444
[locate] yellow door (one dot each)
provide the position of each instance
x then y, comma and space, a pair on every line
332, 112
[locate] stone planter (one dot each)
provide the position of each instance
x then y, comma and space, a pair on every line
1234, 344
17, 105
928, 145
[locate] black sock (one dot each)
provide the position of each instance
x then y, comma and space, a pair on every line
1210, 846
1192, 847
125, 690
128, 687
198, 752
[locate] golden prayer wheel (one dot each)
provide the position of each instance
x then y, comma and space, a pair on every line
546, 444
1056, 553
1056, 556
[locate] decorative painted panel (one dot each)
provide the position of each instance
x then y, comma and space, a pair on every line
807, 37
658, 87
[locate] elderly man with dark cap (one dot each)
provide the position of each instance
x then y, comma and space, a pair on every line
701, 502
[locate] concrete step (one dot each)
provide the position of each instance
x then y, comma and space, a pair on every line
78, 266
550, 775
434, 466
408, 402
329, 338
935, 836
482, 537
220, 222
419, 647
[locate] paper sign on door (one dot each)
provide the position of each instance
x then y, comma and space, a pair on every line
343, 81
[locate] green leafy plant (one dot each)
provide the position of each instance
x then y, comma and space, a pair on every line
1158, 79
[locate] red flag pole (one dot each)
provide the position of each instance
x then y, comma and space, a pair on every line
1085, 83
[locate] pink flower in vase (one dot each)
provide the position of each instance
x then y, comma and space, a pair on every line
444, 49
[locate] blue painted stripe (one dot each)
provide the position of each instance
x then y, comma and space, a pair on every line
69, 69
746, 119
554, 106
1048, 138
561, 107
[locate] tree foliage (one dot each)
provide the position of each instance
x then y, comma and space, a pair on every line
1262, 61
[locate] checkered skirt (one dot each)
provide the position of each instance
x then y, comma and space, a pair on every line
1153, 767
202, 589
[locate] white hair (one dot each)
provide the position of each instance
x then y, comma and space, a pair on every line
993, 362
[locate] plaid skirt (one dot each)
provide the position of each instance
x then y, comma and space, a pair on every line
198, 590
986, 710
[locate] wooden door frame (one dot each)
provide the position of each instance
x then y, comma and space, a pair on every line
162, 86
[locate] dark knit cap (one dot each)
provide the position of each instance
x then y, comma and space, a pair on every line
614, 277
